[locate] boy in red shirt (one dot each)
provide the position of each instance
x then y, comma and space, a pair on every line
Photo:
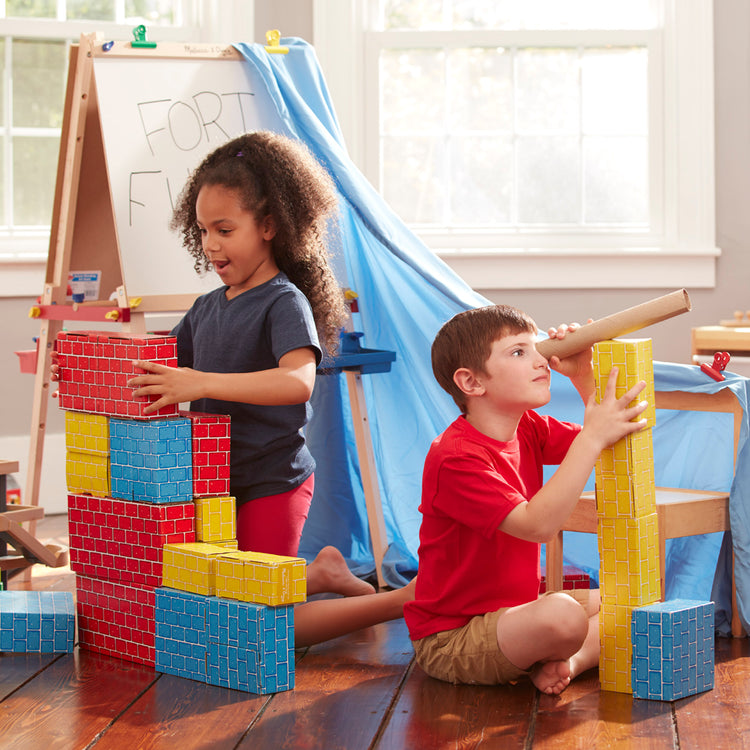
477, 616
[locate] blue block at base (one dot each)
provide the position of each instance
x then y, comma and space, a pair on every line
239, 645
250, 646
180, 633
673, 649
37, 621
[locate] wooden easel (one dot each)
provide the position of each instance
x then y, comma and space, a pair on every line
84, 235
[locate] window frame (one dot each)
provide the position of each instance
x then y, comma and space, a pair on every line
23, 252
681, 252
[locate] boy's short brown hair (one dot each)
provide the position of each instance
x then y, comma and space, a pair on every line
466, 341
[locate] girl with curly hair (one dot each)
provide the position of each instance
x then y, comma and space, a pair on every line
255, 211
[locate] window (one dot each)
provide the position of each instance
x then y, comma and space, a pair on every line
34, 43
537, 143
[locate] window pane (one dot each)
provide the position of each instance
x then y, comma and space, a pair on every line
481, 180
480, 89
159, 12
3, 217
97, 10
413, 182
2, 82
31, 8
615, 180
548, 93
39, 72
615, 91
34, 171
412, 99
412, 14
551, 14
516, 14
549, 189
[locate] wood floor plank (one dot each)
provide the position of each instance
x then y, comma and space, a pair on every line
184, 714
720, 718
431, 714
343, 690
16, 669
71, 701
584, 716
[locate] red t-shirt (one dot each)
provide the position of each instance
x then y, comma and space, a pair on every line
467, 566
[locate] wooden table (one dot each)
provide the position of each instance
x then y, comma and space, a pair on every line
6, 467
707, 340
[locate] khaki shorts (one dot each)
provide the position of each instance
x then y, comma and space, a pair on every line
470, 655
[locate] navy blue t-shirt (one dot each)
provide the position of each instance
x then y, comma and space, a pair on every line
249, 333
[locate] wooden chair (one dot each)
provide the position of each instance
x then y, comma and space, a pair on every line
681, 512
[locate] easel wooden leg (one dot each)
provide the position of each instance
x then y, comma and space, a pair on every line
367, 470
47, 335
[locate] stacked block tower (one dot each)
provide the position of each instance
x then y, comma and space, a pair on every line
159, 580
627, 521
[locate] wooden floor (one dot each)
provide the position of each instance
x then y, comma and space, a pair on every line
360, 691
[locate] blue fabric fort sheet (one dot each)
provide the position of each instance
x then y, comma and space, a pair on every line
406, 293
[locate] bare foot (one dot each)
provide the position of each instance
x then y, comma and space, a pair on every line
551, 677
329, 573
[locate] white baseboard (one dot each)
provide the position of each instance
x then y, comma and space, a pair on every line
53, 496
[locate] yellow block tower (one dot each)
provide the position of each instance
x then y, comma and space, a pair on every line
628, 530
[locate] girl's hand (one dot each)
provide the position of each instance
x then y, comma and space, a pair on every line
611, 419
173, 385
54, 371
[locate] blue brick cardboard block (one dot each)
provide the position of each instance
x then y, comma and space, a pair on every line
180, 635
37, 621
673, 649
250, 646
151, 461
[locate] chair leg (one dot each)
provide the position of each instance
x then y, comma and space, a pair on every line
554, 562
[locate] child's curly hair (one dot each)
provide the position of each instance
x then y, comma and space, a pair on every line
274, 175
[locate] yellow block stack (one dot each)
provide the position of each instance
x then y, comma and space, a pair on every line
628, 529
214, 567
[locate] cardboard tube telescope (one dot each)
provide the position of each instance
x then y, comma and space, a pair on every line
617, 324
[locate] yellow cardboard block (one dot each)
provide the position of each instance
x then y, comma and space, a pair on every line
629, 572
634, 360
623, 495
215, 519
615, 654
87, 433
191, 566
631, 456
261, 578
87, 473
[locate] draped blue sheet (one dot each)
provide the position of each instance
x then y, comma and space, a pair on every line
405, 294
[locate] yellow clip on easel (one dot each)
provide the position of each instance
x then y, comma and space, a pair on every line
273, 37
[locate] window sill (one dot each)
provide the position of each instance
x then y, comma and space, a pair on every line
632, 268
22, 278
639, 268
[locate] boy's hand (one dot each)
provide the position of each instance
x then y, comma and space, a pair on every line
578, 367
611, 419
173, 385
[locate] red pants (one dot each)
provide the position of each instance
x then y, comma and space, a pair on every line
274, 524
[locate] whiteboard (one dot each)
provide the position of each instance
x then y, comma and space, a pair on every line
159, 118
